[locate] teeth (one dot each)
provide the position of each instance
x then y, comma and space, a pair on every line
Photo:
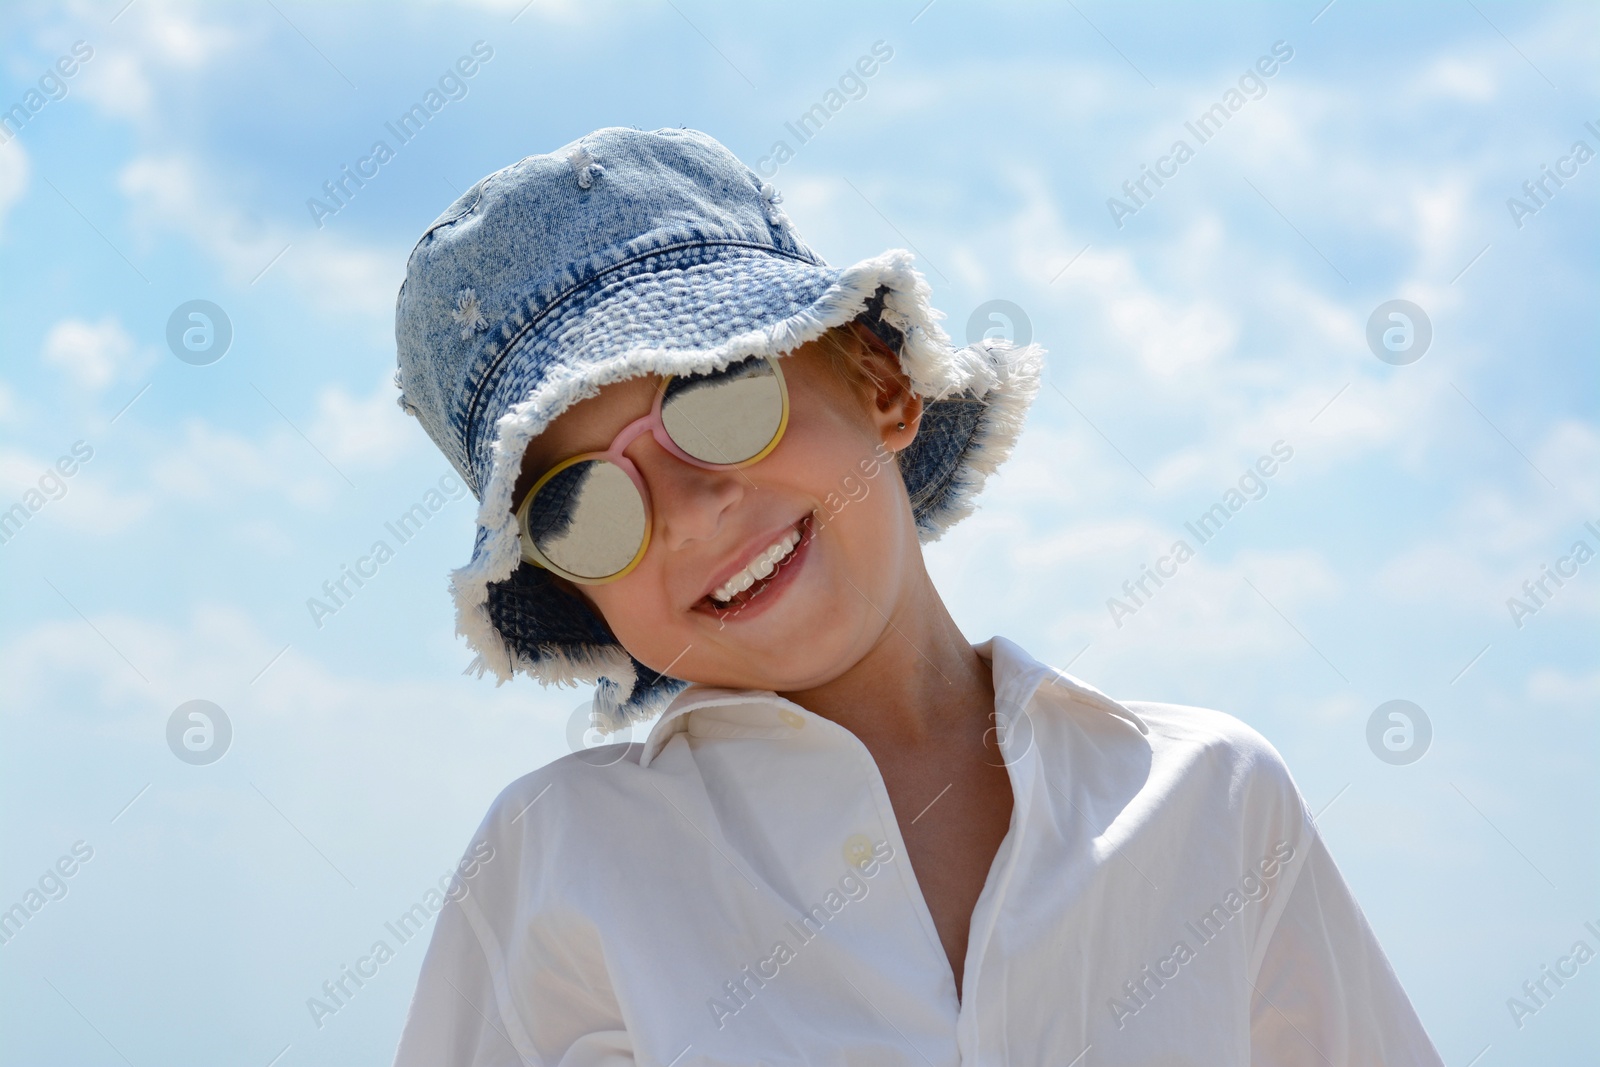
760, 567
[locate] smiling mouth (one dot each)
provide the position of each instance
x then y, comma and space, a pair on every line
787, 551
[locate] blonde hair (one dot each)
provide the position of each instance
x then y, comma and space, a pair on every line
846, 345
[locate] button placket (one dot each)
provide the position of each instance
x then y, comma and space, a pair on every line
1022, 768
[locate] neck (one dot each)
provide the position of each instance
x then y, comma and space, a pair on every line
920, 683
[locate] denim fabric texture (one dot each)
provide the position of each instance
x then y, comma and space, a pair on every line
626, 253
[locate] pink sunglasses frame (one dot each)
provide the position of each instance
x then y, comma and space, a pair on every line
613, 454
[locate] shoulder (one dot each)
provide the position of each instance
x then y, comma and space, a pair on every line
517, 953
569, 799
1196, 770
1222, 764
556, 834
1209, 734
1217, 744
1161, 734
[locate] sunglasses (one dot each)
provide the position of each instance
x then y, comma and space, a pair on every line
588, 517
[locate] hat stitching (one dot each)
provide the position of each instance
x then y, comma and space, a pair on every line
469, 313
448, 218
771, 198
584, 166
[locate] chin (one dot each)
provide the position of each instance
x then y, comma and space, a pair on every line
812, 656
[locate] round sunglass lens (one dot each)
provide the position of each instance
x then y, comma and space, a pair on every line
726, 416
588, 519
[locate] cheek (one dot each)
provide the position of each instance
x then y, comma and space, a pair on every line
821, 455
837, 466
861, 520
643, 622
636, 611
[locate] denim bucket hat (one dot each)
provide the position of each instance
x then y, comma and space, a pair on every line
627, 253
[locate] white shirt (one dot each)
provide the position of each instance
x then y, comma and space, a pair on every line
735, 890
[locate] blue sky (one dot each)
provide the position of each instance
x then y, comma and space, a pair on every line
1227, 313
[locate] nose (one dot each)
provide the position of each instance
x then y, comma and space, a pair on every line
688, 502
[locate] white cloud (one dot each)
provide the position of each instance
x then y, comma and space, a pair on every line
81, 501
177, 38
1440, 574
1562, 689
148, 44
565, 12
94, 354
1496, 537
19, 470
170, 194
116, 84
213, 466
369, 431
1290, 576
225, 473
1206, 614
1569, 455
1166, 335
60, 669
1459, 78
15, 170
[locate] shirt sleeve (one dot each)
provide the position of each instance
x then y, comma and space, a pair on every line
454, 1017
1325, 995
515, 975
465, 1014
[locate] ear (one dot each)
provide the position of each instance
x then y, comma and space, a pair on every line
895, 407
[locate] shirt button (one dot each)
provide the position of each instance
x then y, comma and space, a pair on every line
792, 719
857, 849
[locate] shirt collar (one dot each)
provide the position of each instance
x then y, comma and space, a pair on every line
1016, 676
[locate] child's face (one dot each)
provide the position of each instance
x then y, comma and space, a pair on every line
831, 478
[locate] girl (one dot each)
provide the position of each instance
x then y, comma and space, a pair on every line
706, 461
